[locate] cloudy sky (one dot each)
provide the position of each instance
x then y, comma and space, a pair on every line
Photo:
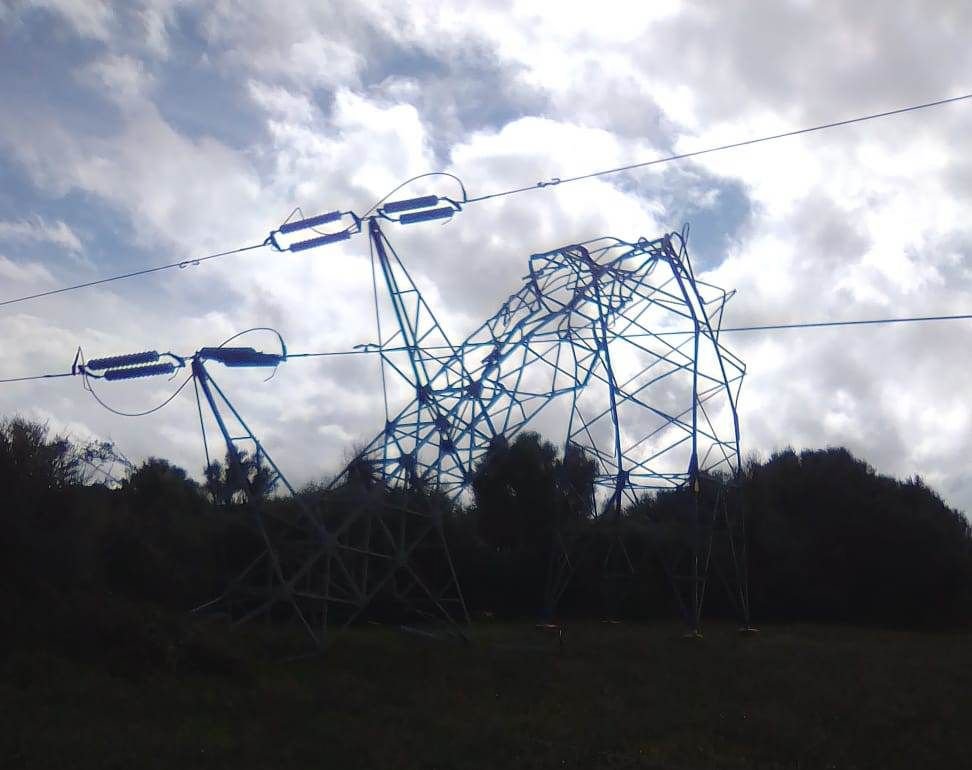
140, 133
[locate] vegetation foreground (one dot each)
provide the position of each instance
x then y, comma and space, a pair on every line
618, 695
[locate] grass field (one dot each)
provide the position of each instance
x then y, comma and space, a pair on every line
618, 696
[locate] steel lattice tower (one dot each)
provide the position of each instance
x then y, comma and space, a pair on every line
620, 337
623, 339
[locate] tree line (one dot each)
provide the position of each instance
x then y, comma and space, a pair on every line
827, 538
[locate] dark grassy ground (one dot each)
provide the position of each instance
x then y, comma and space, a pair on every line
620, 696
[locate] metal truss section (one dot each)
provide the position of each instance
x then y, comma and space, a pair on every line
623, 340
321, 560
622, 331
104, 463
359, 547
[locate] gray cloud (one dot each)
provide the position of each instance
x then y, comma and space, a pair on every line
816, 60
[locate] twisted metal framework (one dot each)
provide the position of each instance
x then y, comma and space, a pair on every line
105, 463
592, 323
618, 339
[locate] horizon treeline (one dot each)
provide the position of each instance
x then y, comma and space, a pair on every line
828, 539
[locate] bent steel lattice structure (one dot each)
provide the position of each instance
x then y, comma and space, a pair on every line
601, 325
620, 340
615, 343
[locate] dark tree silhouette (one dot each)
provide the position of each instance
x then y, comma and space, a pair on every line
829, 538
524, 491
226, 484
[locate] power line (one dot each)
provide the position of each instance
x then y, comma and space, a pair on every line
763, 327
354, 352
181, 264
695, 153
867, 322
513, 191
37, 377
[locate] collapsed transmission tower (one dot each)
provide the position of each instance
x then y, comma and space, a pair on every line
618, 341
